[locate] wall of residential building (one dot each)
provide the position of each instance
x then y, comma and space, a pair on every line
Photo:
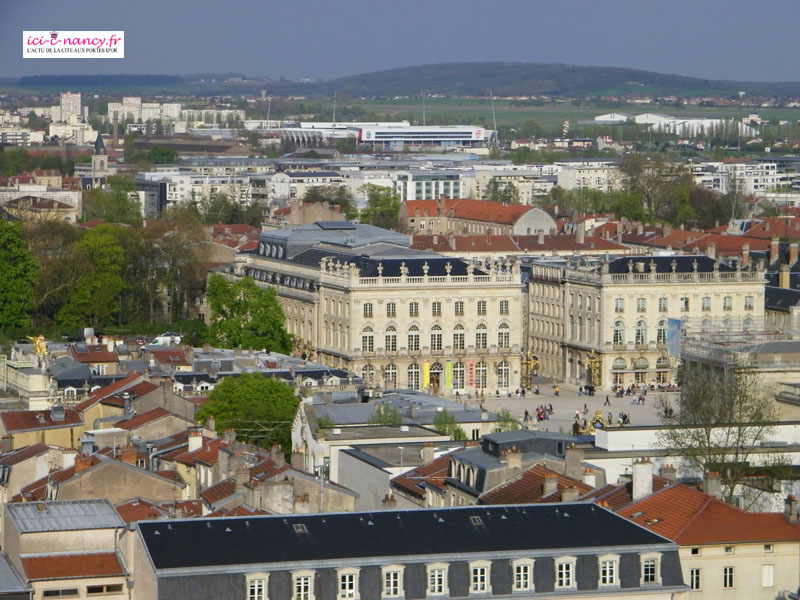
118, 483
751, 564
81, 585
66, 437
369, 481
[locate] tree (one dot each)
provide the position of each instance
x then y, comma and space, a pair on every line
17, 278
161, 155
383, 207
504, 194
654, 181
505, 421
445, 423
723, 423
94, 299
385, 415
117, 203
335, 195
245, 315
260, 409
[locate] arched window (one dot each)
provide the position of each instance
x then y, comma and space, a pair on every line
367, 373
641, 333
458, 337
572, 332
436, 337
705, 326
619, 364
619, 333
458, 376
390, 339
390, 376
503, 336
481, 372
436, 368
727, 326
640, 364
413, 338
662, 362
747, 325
367, 340
413, 376
580, 328
661, 332
503, 374
480, 336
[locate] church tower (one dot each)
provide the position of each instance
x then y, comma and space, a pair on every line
99, 156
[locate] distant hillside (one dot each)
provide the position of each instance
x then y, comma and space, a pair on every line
98, 81
504, 79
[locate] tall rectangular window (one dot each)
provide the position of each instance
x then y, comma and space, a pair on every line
368, 310
649, 570
694, 579
436, 309
458, 308
727, 577
564, 575
257, 589
523, 575
503, 307
391, 584
347, 586
619, 305
641, 305
685, 304
479, 579
748, 303
391, 309
662, 305
608, 572
727, 303
437, 578
303, 587
767, 575
481, 308
413, 309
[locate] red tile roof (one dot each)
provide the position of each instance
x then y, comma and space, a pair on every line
139, 510
172, 356
528, 487
23, 454
108, 390
266, 469
72, 566
431, 474
95, 353
238, 511
690, 517
219, 491
136, 391
208, 454
31, 420
471, 210
616, 497
143, 419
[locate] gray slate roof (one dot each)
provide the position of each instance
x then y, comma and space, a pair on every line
63, 515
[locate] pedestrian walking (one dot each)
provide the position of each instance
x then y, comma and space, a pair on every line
607, 402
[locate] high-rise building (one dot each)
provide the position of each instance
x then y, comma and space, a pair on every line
70, 106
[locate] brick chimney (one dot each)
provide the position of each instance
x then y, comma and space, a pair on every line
128, 455
745, 255
589, 477
242, 475
427, 453
668, 472
790, 508
82, 462
570, 494
276, 455
642, 479
712, 484
774, 248
550, 484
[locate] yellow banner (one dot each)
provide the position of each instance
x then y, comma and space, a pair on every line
448, 374
426, 375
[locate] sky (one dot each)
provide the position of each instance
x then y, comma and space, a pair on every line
737, 40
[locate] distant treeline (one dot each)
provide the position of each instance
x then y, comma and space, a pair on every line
78, 81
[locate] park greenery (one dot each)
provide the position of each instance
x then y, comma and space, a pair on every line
385, 414
260, 409
445, 423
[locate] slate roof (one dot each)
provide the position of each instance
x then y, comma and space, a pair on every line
202, 543
63, 515
690, 517
10, 581
72, 566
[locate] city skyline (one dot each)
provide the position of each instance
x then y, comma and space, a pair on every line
319, 40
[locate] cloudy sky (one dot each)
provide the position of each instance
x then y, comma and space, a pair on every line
720, 39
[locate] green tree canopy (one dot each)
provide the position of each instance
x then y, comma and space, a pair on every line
94, 299
385, 415
383, 207
335, 195
116, 203
505, 421
161, 155
260, 409
504, 194
17, 278
245, 315
445, 422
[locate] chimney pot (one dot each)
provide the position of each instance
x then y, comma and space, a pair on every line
550, 484
790, 508
712, 484
642, 479
82, 462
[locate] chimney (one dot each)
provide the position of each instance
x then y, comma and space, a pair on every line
711, 251
793, 253
668, 472
6, 443
745, 255
550, 484
783, 277
412, 411
540, 237
115, 130
569, 494
110, 345
484, 414
666, 230
774, 248
229, 436
579, 232
211, 424
642, 479
790, 508
513, 458
640, 229
242, 475
712, 484
389, 502
87, 445
573, 457
589, 477
427, 453
195, 440
128, 455
276, 455
82, 462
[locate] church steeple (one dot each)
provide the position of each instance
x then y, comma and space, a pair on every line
99, 146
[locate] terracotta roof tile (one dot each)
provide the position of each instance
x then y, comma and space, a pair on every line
690, 517
617, 497
109, 390
139, 510
23, 454
527, 487
173, 356
93, 353
472, 210
208, 454
238, 511
30, 420
220, 491
146, 417
431, 474
72, 566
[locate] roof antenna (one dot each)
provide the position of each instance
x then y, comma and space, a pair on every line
494, 118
